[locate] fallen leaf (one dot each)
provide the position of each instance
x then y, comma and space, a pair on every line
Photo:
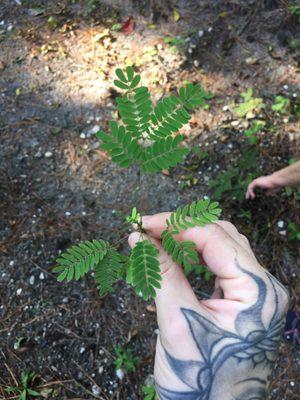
128, 26
176, 15
36, 11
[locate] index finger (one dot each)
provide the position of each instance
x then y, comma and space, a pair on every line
215, 243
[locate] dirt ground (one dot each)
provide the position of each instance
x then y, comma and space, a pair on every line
57, 187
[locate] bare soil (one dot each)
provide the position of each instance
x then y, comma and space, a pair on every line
57, 187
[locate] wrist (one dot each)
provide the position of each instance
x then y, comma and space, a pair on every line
278, 180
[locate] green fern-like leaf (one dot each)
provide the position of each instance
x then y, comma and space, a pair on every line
145, 269
169, 116
123, 149
163, 154
127, 80
183, 253
79, 259
135, 110
108, 270
192, 96
198, 213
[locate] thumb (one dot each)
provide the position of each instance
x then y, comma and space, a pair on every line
175, 291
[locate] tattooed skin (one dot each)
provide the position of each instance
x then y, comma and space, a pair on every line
248, 351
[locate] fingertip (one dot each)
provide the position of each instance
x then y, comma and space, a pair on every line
133, 238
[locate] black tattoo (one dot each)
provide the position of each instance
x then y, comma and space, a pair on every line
251, 350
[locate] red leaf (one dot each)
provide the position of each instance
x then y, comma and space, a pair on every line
128, 26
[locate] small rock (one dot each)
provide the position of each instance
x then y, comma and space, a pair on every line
67, 213
280, 224
120, 373
94, 130
11, 263
82, 135
10, 27
96, 390
48, 154
250, 115
251, 60
295, 95
209, 29
151, 308
32, 280
196, 63
101, 369
285, 87
200, 33
292, 383
83, 213
82, 350
65, 300
283, 232
225, 108
235, 123
190, 50
19, 291
42, 276
149, 381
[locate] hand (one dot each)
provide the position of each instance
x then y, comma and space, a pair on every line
224, 347
265, 182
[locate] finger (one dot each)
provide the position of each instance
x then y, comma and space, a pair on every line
217, 247
235, 234
250, 194
156, 224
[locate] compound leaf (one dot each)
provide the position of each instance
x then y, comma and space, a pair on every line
135, 110
107, 271
120, 145
183, 253
197, 213
163, 154
79, 259
145, 269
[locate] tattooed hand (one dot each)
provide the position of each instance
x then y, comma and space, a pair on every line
222, 348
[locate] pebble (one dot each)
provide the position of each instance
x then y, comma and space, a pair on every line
48, 154
225, 108
200, 33
67, 213
285, 87
294, 94
101, 369
11, 263
280, 224
19, 291
120, 374
96, 390
42, 276
82, 350
292, 383
190, 50
209, 29
65, 300
283, 232
83, 213
196, 63
32, 280
94, 130
82, 135
10, 28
